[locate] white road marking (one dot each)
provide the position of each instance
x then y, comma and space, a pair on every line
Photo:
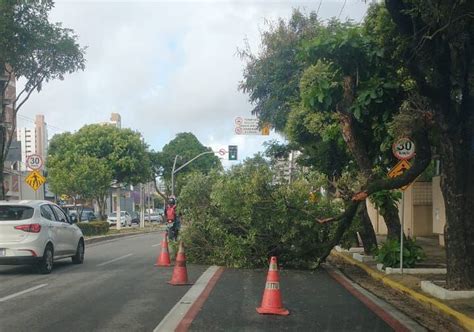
176, 314
9, 297
114, 260
156, 245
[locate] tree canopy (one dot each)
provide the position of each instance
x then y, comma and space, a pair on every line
85, 163
34, 49
186, 146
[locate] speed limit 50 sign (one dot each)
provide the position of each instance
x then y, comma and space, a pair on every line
34, 161
404, 149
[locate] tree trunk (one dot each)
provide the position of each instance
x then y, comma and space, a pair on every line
457, 185
118, 210
101, 204
349, 132
389, 212
2, 187
367, 234
343, 225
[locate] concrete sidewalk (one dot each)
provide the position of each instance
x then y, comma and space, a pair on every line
460, 311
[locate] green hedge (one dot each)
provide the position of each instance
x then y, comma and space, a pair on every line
93, 228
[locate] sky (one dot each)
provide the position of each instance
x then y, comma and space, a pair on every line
166, 66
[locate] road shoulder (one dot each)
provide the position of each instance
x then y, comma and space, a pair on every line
432, 313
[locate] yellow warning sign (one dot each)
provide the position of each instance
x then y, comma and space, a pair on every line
35, 179
266, 130
398, 170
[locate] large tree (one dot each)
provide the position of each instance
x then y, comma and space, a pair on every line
86, 162
183, 148
341, 98
34, 49
438, 52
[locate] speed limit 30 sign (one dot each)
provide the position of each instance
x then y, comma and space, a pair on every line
34, 161
404, 149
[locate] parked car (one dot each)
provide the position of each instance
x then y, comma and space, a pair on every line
125, 218
38, 233
154, 217
87, 216
135, 217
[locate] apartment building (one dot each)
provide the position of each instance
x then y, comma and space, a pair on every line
34, 140
286, 168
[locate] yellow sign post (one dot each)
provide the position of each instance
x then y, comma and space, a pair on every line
398, 170
35, 179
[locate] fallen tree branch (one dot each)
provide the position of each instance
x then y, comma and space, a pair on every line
422, 160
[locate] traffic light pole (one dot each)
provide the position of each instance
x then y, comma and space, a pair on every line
172, 174
174, 171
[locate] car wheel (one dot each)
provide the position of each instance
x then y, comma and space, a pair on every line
78, 258
45, 266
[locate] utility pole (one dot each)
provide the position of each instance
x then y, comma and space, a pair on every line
148, 200
142, 207
172, 174
118, 210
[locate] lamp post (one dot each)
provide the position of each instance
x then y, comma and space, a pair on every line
118, 213
142, 207
174, 171
172, 174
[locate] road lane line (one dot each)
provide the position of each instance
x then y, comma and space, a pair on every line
9, 297
184, 311
156, 245
114, 260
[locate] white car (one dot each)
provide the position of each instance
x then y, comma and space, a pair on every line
37, 232
154, 217
125, 218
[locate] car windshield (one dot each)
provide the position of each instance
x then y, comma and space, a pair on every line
12, 212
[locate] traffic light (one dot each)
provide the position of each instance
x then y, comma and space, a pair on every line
232, 152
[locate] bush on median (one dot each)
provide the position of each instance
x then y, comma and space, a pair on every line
94, 228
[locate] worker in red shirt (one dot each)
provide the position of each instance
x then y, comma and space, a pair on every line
170, 214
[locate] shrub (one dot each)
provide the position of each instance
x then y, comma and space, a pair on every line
93, 228
389, 253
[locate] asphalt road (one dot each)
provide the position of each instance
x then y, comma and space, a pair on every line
116, 289
316, 303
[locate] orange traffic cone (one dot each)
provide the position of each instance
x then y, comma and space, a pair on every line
164, 257
271, 301
180, 273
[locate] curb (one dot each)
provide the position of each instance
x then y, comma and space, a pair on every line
463, 320
115, 236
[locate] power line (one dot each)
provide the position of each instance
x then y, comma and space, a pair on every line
317, 12
343, 6
23, 117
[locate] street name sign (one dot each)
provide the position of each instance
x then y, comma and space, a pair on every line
403, 149
35, 179
34, 161
249, 126
401, 167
